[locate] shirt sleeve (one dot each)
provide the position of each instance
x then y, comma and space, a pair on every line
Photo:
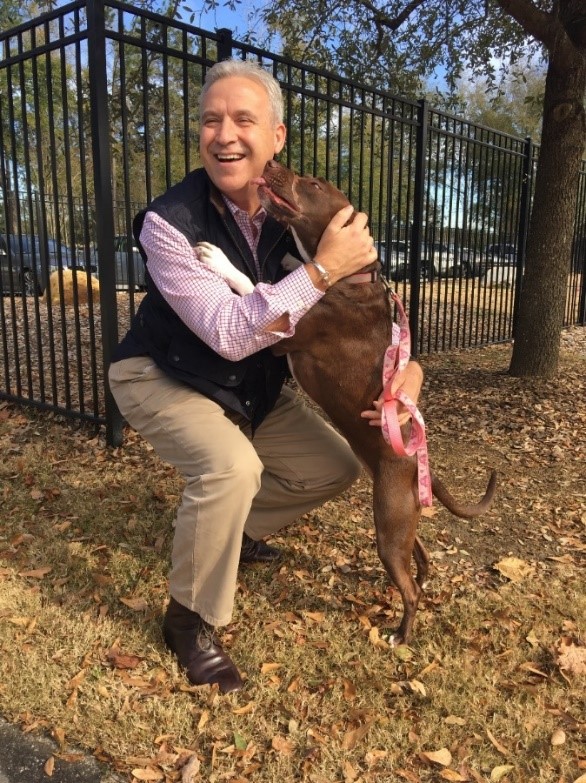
233, 326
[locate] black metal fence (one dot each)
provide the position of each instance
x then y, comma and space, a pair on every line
98, 114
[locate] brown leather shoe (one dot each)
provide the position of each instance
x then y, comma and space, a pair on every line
198, 652
257, 551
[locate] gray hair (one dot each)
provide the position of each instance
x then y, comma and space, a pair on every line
247, 69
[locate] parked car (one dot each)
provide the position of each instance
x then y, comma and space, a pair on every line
437, 260
469, 262
396, 260
21, 264
500, 276
502, 253
127, 257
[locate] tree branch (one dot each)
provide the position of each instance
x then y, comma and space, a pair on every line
392, 22
541, 25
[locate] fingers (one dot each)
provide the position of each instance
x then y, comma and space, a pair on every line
409, 380
344, 247
373, 414
375, 419
341, 218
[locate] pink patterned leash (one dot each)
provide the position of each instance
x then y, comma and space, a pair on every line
396, 359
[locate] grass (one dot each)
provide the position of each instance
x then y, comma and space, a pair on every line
491, 687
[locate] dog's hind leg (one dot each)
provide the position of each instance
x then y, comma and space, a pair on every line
422, 561
396, 514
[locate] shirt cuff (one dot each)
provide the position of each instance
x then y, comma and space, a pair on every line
299, 293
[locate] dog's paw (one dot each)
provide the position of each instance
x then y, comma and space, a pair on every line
216, 260
393, 639
290, 263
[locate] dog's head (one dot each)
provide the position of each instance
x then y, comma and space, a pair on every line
304, 204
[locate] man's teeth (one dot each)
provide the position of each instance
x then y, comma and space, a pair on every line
229, 157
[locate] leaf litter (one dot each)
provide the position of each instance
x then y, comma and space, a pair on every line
491, 687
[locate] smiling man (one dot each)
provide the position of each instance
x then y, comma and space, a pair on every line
195, 374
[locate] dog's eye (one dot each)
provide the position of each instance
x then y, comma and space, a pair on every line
316, 185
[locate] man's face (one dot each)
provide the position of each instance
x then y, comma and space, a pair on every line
238, 136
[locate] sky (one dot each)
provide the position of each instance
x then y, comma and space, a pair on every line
224, 17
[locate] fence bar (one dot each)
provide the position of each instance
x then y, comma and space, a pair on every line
98, 116
417, 225
104, 205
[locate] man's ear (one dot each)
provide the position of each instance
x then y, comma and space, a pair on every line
280, 136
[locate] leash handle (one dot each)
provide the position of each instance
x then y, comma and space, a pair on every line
395, 360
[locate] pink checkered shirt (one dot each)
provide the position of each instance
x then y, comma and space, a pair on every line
234, 326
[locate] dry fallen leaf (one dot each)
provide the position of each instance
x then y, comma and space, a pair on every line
59, 735
123, 660
136, 604
498, 773
441, 756
350, 773
245, 710
375, 639
190, 772
316, 617
267, 668
451, 774
147, 773
203, 719
571, 656
282, 745
349, 689
49, 766
501, 748
514, 569
353, 736
374, 756
454, 720
76, 680
558, 737
36, 573
417, 687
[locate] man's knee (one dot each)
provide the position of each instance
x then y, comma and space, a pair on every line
240, 471
352, 470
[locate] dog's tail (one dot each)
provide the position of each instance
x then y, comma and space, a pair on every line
466, 511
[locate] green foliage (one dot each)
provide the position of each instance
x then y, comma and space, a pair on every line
373, 42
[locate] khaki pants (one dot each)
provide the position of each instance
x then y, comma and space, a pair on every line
295, 462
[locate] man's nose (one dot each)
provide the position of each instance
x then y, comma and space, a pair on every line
225, 131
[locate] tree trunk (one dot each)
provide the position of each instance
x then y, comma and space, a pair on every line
549, 241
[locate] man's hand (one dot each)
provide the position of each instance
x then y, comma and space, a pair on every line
344, 247
408, 380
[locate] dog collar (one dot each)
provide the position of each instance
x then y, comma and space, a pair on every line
363, 277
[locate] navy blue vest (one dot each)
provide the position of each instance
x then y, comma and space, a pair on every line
250, 386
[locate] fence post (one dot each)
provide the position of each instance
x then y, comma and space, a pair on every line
582, 306
417, 225
100, 124
224, 43
524, 214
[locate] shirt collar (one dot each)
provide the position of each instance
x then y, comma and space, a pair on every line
242, 215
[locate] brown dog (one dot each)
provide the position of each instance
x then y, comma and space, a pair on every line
336, 356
